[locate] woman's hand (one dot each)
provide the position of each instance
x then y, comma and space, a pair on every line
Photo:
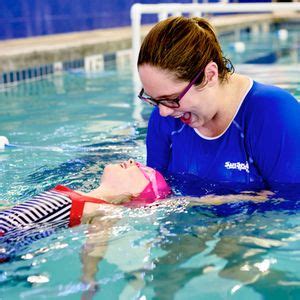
261, 196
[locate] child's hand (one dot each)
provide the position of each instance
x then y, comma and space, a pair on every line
91, 288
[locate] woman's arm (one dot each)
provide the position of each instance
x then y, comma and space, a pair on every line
261, 196
273, 137
158, 142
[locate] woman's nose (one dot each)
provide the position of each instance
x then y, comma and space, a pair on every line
165, 111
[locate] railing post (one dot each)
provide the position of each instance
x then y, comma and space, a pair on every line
135, 14
162, 10
162, 16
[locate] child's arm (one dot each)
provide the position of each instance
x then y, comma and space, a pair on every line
94, 250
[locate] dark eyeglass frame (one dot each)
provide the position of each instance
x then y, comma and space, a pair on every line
171, 103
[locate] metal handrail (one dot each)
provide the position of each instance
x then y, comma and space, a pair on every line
163, 10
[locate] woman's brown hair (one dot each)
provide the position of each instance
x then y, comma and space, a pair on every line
184, 46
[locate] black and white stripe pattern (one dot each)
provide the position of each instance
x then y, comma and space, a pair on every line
43, 208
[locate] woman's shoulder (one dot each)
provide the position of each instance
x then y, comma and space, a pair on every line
264, 94
269, 105
270, 101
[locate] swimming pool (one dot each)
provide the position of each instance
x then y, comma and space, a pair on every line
67, 127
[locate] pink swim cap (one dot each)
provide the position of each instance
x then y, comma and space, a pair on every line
156, 189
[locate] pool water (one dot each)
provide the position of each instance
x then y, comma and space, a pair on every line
67, 127
75, 120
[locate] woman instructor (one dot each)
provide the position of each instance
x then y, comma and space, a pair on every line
208, 120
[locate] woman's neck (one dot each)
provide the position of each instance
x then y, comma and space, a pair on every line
230, 95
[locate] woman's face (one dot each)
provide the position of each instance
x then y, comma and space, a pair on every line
197, 107
124, 178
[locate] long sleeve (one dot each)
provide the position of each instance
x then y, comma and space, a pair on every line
158, 142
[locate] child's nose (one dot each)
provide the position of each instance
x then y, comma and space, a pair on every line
131, 161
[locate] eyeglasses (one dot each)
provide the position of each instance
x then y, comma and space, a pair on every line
171, 103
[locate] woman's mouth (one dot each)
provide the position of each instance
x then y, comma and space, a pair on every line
178, 116
186, 118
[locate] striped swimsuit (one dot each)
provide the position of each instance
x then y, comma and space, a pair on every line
45, 207
60, 204
38, 218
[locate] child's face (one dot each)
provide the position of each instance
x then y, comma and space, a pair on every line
124, 178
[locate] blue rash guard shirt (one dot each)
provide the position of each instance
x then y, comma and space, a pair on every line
260, 148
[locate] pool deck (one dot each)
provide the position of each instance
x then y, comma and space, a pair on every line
22, 53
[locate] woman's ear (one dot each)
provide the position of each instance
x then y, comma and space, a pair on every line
211, 74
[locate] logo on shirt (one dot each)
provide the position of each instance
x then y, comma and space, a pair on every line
237, 166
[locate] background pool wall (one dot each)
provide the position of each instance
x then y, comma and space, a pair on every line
163, 10
33, 58
26, 18
25, 69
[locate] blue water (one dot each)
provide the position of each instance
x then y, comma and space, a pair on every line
53, 120
67, 128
